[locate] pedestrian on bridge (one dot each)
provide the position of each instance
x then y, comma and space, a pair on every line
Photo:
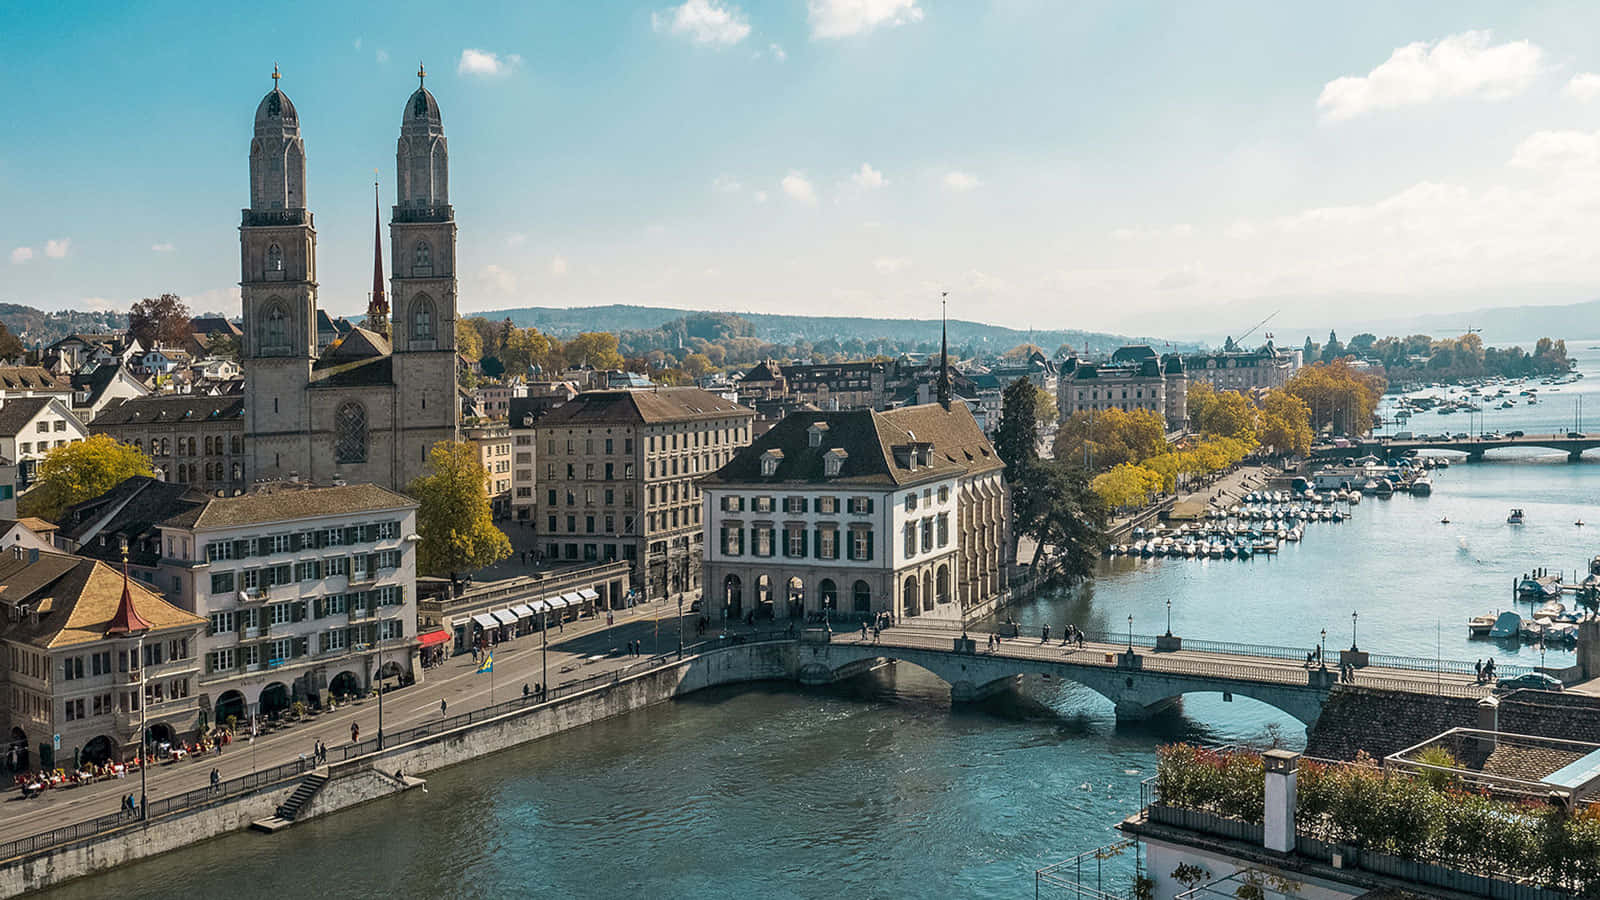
1477, 669
1044, 633
355, 733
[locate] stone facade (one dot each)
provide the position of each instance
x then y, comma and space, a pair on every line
364, 409
198, 441
1134, 378
1244, 370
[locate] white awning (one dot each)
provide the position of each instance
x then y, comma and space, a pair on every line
556, 602
485, 620
505, 616
589, 593
522, 612
537, 606
573, 598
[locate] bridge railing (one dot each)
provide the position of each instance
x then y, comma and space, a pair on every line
1446, 666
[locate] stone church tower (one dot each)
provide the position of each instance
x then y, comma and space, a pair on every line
371, 405
278, 288
422, 236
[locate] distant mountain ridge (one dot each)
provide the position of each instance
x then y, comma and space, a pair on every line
779, 328
35, 327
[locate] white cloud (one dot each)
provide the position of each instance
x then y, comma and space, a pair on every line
888, 265
57, 249
777, 52
98, 304
162, 248
707, 22
383, 56
1461, 65
1557, 150
1240, 231
21, 255
960, 181
798, 188
1584, 86
1177, 281
845, 18
558, 266
225, 299
726, 184
483, 62
869, 178
496, 279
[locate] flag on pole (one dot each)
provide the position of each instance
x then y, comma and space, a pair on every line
488, 662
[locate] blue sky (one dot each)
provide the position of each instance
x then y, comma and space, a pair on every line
1120, 165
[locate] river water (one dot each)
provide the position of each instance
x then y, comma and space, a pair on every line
878, 788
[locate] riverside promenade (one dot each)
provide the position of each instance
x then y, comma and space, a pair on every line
456, 682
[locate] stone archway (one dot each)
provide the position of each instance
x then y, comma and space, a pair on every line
861, 596
909, 597
733, 597
100, 750
828, 594
927, 591
231, 705
795, 595
345, 684
275, 698
159, 733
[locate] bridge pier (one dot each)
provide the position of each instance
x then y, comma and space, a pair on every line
968, 692
1476, 454
1574, 456
1135, 711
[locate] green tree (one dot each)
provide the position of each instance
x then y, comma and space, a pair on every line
1016, 438
223, 346
454, 522
80, 471
1045, 407
525, 347
1053, 505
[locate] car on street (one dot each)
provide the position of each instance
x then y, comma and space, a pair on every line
1532, 681
1515, 434
1576, 434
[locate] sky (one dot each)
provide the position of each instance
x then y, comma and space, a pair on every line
1154, 168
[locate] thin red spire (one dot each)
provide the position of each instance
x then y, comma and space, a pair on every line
378, 306
127, 620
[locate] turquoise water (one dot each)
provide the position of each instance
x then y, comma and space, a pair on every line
879, 788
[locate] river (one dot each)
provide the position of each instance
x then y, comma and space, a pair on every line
879, 788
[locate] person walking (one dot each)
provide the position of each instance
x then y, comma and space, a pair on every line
524, 691
1044, 633
442, 707
1477, 670
216, 781
355, 733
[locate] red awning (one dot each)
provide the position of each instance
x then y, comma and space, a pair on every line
433, 637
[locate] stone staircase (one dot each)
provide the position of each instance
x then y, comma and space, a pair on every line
290, 808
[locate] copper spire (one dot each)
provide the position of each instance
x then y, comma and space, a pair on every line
127, 620
378, 304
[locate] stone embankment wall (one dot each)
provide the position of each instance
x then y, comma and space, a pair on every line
1380, 722
370, 778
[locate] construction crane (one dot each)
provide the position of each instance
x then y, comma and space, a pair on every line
1257, 325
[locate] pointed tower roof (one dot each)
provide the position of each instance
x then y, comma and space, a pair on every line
126, 620
377, 303
944, 353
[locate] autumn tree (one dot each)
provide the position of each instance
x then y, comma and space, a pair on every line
81, 471
1126, 485
698, 365
1100, 439
10, 345
525, 347
160, 321
468, 342
1228, 414
454, 521
1285, 423
1339, 397
1046, 406
1021, 352
593, 348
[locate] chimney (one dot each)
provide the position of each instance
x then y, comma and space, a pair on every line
1281, 767
1488, 721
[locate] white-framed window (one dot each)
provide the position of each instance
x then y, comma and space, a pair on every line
280, 614
334, 566
222, 623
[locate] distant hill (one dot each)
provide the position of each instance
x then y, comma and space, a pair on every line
36, 327
775, 328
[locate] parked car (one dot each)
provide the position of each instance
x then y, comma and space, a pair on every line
1515, 434
1460, 436
1533, 681
1576, 434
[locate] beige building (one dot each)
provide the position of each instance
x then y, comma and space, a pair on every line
494, 451
371, 406
1134, 378
858, 513
197, 441
1268, 367
618, 479
78, 639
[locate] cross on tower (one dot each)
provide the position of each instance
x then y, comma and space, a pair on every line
421, 74
275, 75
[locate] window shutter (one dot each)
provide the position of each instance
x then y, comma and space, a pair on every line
241, 549
869, 506
816, 543
372, 565
297, 612
869, 546
724, 545
301, 646
320, 538
294, 542
319, 608
804, 504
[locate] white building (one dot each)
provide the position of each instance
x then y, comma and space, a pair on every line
858, 512
30, 427
308, 592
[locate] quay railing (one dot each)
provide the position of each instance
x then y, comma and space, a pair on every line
262, 778
1068, 875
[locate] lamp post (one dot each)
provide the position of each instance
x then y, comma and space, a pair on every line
128, 623
544, 651
1353, 617
1322, 648
1130, 634
144, 731
1169, 617
680, 625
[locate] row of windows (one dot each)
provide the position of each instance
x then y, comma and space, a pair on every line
795, 505
591, 524
927, 497
44, 446
590, 552
591, 471
212, 445
93, 665
282, 650
359, 567
589, 496
357, 602
823, 542
44, 426
268, 545
609, 445
935, 531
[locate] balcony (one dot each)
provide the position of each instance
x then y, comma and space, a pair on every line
255, 633
436, 213
271, 217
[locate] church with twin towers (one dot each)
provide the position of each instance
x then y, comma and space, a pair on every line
370, 406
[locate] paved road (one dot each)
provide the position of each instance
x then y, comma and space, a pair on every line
456, 682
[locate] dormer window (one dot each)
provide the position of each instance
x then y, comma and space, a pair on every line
815, 433
833, 461
770, 461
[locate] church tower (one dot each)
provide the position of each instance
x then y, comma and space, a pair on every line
422, 236
278, 289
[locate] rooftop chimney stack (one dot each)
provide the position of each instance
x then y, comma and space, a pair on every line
1282, 766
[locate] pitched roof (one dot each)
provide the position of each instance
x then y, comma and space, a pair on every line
868, 439
676, 404
76, 600
16, 413
169, 409
30, 378
359, 343
370, 371
213, 325
131, 509
288, 503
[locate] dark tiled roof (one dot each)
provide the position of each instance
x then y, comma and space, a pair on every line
75, 599
868, 439
213, 325
762, 372
30, 378
18, 412
169, 410
373, 371
678, 404
133, 507
285, 503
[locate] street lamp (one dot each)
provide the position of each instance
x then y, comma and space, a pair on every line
1169, 617
1322, 647
680, 625
1130, 634
1353, 631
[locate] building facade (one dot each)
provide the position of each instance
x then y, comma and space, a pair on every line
370, 406
78, 640
1134, 378
494, 445
858, 513
618, 479
306, 592
1268, 367
30, 427
194, 441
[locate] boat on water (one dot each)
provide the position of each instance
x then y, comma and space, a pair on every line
1422, 486
1515, 517
1506, 625
1480, 626
1539, 587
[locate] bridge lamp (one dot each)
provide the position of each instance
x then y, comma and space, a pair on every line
1169, 617
1353, 631
1130, 634
1322, 645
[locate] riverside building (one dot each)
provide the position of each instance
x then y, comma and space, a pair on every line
305, 591
1133, 378
854, 513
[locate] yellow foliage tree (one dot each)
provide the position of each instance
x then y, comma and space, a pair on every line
1338, 396
468, 342
1285, 423
1125, 485
80, 471
454, 521
1103, 439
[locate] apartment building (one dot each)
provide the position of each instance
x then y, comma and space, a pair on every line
193, 441
30, 427
494, 445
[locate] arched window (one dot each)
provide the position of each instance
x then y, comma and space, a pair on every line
274, 330
274, 258
911, 606
942, 585
927, 591
863, 597
422, 319
828, 594
423, 257
350, 433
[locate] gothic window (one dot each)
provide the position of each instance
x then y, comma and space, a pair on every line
422, 319
350, 430
424, 255
274, 258
275, 330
